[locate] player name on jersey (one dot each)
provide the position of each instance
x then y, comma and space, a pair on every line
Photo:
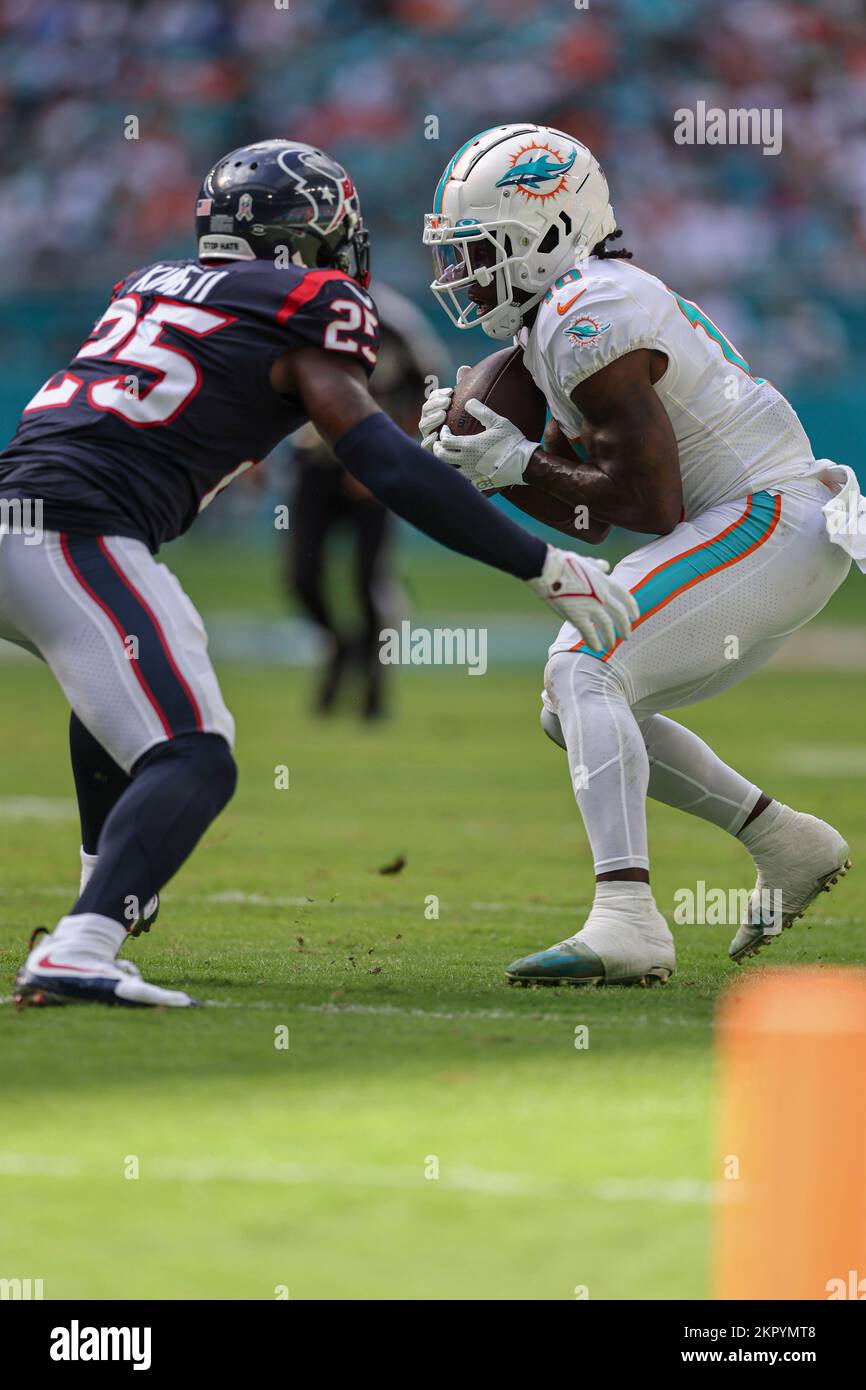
192, 282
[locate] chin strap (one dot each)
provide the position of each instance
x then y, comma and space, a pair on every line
504, 322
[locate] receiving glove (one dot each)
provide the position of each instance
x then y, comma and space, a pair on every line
435, 411
495, 458
580, 592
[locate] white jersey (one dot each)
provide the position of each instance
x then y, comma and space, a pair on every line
735, 433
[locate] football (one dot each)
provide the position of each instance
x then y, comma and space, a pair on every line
502, 382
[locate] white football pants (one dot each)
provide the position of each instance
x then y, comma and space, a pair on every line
124, 641
718, 597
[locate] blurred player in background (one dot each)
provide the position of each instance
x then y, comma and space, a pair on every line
329, 504
680, 440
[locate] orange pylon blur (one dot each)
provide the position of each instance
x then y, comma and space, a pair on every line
791, 1144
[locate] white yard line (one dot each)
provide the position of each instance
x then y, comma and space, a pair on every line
678, 1191
235, 898
817, 760
373, 1010
36, 808
263, 900
394, 1011
562, 1018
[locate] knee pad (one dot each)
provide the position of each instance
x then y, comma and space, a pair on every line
570, 677
221, 770
206, 758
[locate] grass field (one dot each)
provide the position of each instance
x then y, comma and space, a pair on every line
306, 1168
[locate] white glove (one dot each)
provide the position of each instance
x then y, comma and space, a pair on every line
435, 410
579, 590
497, 457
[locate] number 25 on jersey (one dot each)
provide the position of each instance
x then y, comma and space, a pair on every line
133, 339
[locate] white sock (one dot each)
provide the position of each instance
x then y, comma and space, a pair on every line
624, 890
764, 826
620, 909
90, 935
88, 864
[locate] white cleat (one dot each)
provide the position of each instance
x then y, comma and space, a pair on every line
798, 856
55, 973
622, 943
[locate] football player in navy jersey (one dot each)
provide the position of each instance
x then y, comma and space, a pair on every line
195, 371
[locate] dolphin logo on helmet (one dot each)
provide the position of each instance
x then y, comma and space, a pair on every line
532, 173
516, 207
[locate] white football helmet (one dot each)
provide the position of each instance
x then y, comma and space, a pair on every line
517, 205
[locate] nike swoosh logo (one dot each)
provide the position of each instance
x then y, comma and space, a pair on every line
46, 963
564, 308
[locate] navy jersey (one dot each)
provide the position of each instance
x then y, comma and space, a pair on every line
170, 398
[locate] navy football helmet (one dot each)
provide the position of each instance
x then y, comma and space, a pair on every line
282, 194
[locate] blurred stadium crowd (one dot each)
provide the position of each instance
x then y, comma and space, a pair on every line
772, 246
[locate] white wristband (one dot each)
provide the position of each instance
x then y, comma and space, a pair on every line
510, 472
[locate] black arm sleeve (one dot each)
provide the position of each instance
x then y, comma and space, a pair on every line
435, 498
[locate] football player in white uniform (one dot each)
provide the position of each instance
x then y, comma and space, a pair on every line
677, 438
